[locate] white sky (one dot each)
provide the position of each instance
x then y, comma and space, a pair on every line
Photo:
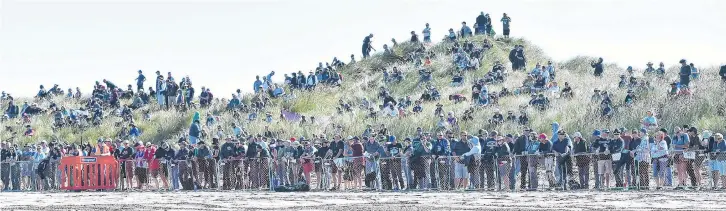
224, 44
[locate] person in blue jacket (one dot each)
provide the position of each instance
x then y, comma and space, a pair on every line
257, 85
465, 30
442, 153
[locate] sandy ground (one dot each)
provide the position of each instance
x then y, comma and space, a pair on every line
365, 201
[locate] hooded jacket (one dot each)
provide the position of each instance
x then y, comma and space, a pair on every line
475, 148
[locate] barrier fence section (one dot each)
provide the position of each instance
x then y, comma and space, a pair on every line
689, 170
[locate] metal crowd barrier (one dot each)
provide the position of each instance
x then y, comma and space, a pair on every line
690, 170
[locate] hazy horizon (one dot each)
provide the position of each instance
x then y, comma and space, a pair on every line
224, 44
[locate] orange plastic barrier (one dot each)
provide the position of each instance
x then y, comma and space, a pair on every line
88, 173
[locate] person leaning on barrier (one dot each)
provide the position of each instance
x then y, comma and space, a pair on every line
337, 147
240, 164
504, 161
164, 156
473, 155
641, 153
125, 156
459, 147
488, 167
204, 161
185, 169
544, 156
562, 149
394, 150
441, 152
695, 165
604, 158
519, 149
580, 149
659, 153
322, 157
226, 155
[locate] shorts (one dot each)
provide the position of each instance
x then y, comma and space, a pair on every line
336, 165
605, 167
718, 165
460, 171
193, 140
506, 31
308, 167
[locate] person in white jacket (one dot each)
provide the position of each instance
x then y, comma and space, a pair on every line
475, 146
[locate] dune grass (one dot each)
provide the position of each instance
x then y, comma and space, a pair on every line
364, 78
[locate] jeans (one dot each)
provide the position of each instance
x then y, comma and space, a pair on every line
160, 98
626, 162
175, 177
564, 167
407, 172
533, 162
513, 173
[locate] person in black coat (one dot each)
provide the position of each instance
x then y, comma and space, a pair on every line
685, 74
598, 66
520, 148
481, 23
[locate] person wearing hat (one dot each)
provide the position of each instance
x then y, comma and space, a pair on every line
323, 156
659, 153
694, 166
562, 147
458, 148
544, 155
602, 146
229, 163
203, 157
488, 158
649, 69
640, 151
183, 167
717, 149
125, 157
503, 153
580, 150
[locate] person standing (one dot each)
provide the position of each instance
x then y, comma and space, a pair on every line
562, 149
506, 20
427, 34
598, 67
465, 30
685, 74
519, 150
582, 160
367, 47
641, 153
140, 81
480, 24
